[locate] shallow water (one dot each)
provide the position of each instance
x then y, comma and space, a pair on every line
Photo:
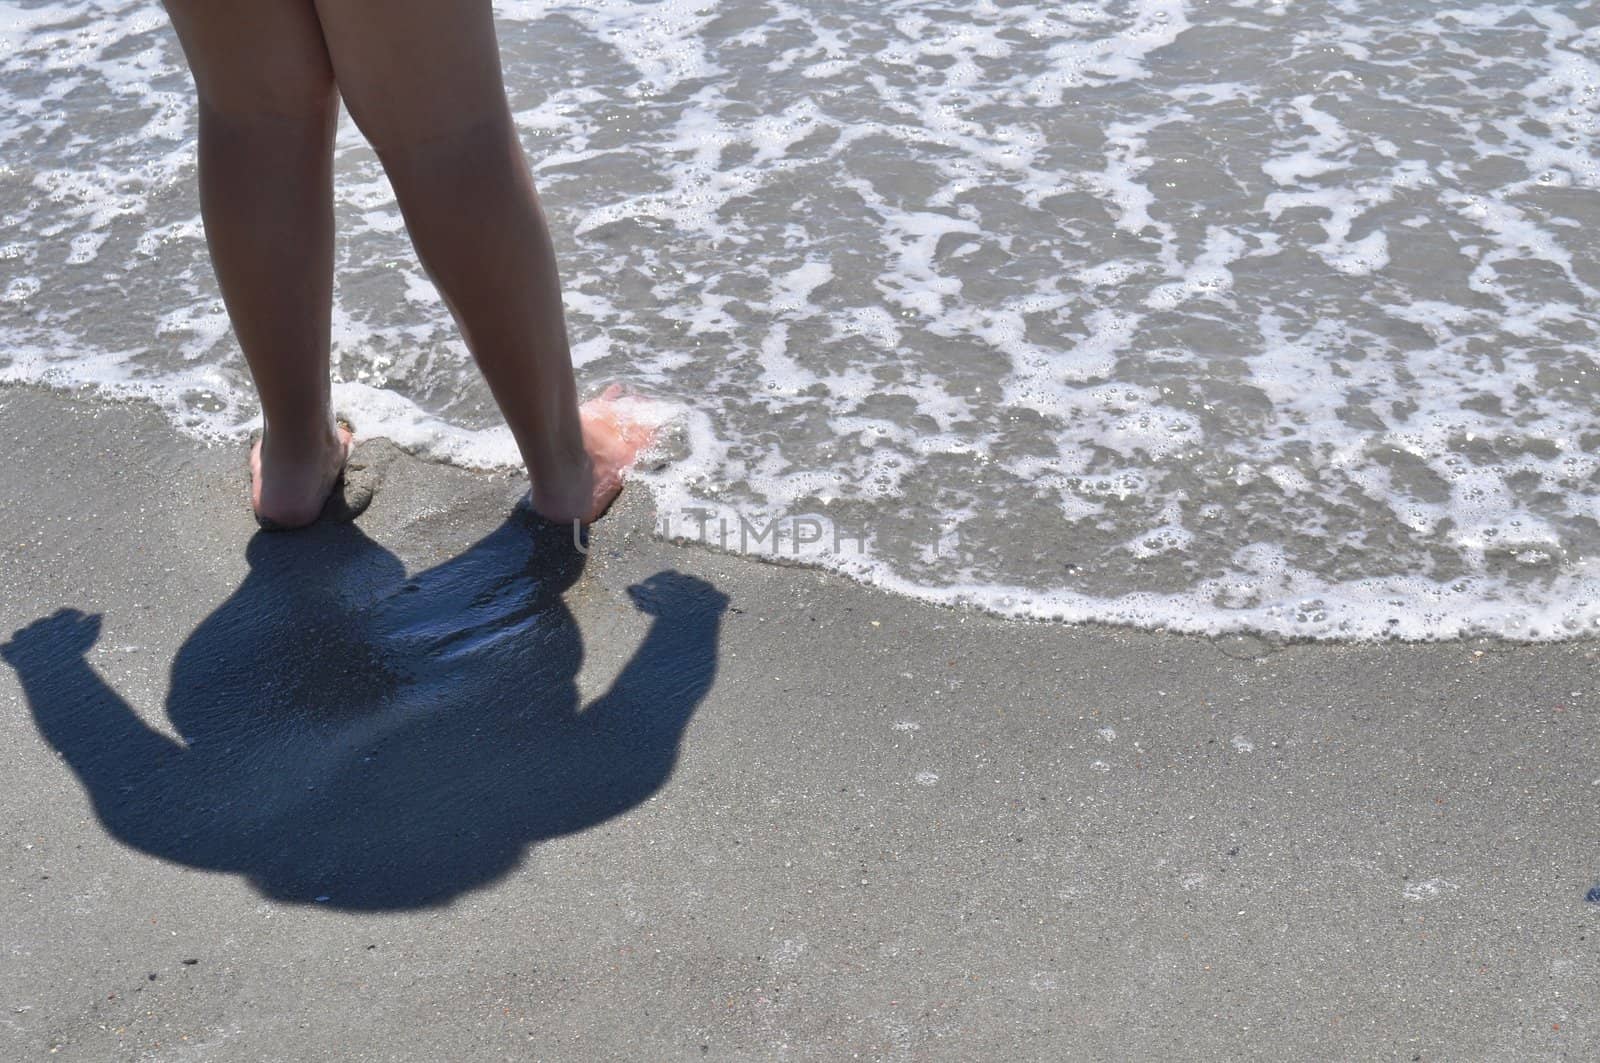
1202, 315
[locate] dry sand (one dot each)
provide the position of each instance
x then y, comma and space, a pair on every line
392, 791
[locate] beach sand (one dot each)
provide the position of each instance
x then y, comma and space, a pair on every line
822, 822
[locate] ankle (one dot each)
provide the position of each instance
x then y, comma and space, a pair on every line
301, 443
561, 459
569, 478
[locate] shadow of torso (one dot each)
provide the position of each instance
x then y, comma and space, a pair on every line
357, 737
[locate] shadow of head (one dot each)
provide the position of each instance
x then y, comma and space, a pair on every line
358, 737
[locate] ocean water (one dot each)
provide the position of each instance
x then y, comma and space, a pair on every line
1207, 315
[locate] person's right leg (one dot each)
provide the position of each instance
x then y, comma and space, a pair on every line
422, 80
267, 113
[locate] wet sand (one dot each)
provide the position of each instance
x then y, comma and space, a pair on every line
396, 791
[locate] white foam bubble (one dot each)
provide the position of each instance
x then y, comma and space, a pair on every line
1039, 311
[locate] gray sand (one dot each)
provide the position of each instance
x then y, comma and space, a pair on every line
891, 832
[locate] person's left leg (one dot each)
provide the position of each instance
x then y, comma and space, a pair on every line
268, 107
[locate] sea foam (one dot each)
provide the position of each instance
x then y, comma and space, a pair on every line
1236, 316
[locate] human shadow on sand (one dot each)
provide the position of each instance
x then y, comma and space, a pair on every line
368, 740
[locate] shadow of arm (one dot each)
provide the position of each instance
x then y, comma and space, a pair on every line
641, 719
119, 760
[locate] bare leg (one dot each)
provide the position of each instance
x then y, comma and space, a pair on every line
422, 80
267, 111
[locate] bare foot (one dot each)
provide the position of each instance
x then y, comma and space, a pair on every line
612, 440
289, 487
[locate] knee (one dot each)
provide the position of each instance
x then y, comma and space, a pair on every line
427, 135
307, 96
470, 157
